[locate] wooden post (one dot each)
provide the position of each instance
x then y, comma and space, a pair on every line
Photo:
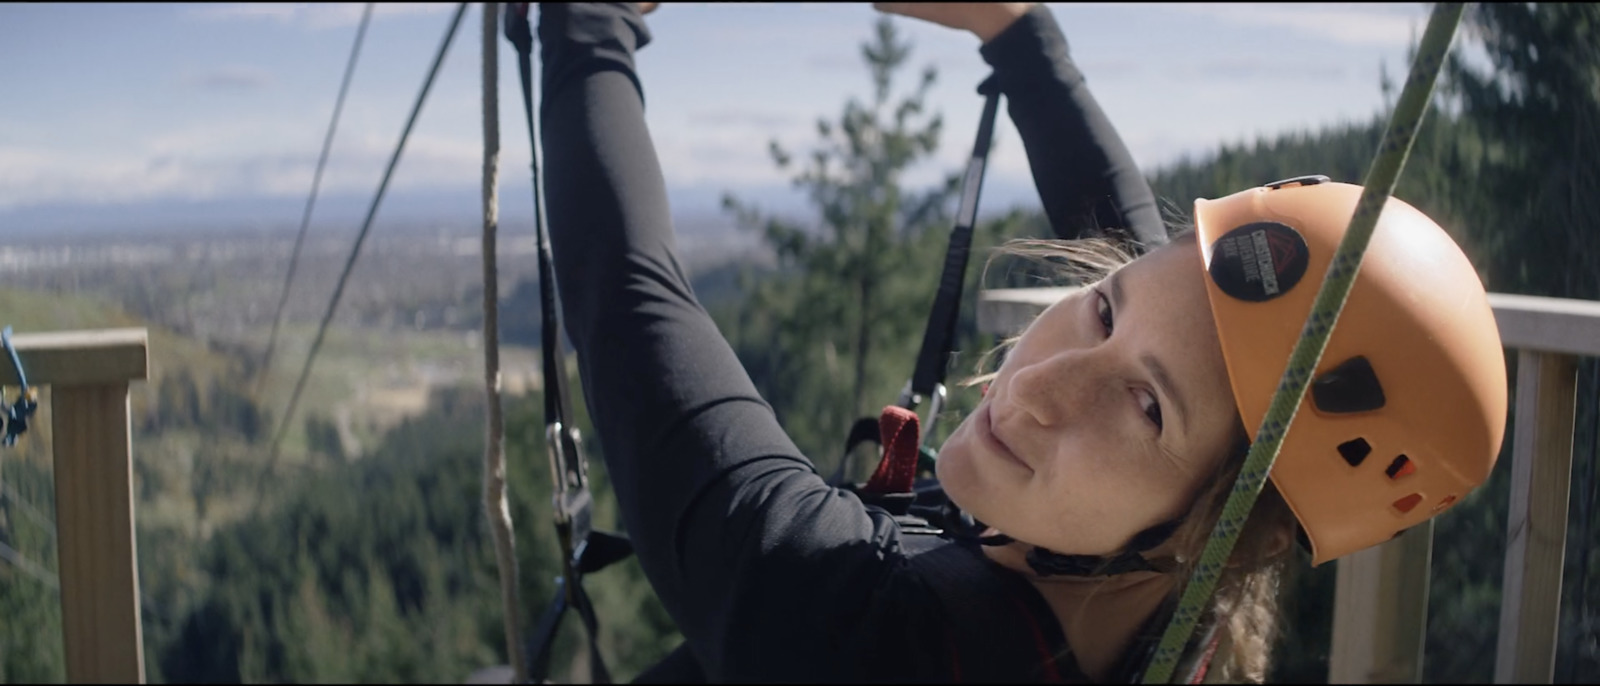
88, 372
1536, 535
94, 524
1380, 611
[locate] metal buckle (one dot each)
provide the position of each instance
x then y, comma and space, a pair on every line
934, 408
570, 498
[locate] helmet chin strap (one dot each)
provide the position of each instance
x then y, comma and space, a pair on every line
1046, 562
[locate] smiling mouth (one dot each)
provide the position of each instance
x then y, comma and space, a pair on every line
994, 442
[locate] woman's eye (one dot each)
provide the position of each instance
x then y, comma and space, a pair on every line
1103, 306
1147, 400
1151, 407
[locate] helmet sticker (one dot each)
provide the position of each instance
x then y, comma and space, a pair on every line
1259, 261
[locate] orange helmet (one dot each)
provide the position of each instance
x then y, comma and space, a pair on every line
1407, 407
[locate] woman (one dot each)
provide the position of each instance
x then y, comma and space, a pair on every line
1106, 442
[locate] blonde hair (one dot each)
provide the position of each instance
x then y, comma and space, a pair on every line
1247, 601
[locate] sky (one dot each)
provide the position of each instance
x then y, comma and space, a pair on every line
128, 115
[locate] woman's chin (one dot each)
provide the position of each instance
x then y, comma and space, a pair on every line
959, 477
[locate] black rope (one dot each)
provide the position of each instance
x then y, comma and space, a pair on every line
311, 201
355, 252
557, 405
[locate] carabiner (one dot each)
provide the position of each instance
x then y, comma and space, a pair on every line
17, 413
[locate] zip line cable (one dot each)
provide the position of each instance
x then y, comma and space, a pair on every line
16, 499
1325, 310
39, 573
355, 252
496, 507
316, 182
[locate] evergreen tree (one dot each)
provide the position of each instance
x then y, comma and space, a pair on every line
825, 340
1539, 112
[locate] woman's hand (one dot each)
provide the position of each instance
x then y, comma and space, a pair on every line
984, 19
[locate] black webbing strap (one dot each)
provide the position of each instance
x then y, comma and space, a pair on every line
938, 340
583, 549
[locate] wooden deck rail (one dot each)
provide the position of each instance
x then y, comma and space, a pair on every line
1380, 601
88, 374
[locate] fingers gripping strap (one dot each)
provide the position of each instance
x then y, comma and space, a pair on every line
900, 433
1378, 185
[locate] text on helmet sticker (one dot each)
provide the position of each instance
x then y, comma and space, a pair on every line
1259, 261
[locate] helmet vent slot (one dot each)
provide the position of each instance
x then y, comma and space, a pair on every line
1355, 450
1402, 466
1308, 180
1350, 387
1446, 502
1406, 504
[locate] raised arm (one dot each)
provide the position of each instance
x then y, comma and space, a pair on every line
753, 555
1086, 177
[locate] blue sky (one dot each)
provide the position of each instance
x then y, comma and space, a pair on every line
123, 111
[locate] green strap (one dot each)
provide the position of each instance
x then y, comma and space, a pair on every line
1397, 140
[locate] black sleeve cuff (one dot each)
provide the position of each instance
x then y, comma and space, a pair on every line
580, 38
1031, 48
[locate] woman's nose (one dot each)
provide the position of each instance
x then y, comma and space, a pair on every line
1067, 386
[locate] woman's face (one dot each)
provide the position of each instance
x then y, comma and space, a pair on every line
1105, 417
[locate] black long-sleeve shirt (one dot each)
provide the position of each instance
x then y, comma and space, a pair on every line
771, 574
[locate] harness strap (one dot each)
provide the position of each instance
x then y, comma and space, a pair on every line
1203, 664
938, 339
583, 549
900, 434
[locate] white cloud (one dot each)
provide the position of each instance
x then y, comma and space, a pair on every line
197, 163
229, 77
1350, 23
748, 117
731, 156
314, 16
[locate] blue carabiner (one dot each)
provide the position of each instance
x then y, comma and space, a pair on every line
16, 413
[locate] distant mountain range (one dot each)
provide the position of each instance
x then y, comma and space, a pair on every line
697, 211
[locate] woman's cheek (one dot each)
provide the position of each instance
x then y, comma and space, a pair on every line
955, 469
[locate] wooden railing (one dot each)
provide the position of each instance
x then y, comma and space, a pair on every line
87, 373
1381, 597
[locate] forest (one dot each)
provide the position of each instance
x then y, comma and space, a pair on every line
378, 567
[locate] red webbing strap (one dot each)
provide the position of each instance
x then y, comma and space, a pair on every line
1051, 674
1205, 661
900, 434
955, 655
